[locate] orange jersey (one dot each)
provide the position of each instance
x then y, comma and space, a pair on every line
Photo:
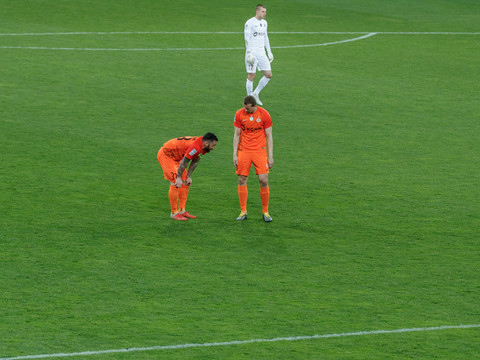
188, 146
252, 135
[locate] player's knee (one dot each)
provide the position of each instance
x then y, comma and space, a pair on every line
242, 180
263, 181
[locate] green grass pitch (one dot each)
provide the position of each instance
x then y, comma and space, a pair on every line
374, 193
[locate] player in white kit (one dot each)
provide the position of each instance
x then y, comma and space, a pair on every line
256, 42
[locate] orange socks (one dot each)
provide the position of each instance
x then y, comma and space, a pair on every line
265, 195
242, 197
177, 196
173, 197
182, 197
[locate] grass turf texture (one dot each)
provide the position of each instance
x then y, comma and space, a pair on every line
374, 193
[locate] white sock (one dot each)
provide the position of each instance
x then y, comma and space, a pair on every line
261, 84
249, 87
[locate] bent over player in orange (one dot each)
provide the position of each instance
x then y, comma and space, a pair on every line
253, 144
174, 157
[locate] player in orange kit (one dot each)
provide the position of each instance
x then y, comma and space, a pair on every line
174, 157
252, 138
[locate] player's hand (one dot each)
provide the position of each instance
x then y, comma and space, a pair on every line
270, 57
270, 163
178, 182
235, 160
188, 182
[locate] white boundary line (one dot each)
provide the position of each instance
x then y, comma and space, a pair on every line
367, 35
325, 44
167, 49
238, 32
241, 342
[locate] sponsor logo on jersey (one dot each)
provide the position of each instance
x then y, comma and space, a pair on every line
251, 129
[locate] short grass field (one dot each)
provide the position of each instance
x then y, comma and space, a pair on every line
374, 250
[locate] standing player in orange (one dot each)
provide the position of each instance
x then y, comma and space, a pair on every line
251, 140
174, 157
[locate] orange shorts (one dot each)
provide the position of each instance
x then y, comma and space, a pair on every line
169, 167
258, 158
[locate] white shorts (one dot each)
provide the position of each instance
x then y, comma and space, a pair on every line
261, 62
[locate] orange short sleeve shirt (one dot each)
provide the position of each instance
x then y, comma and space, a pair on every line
188, 146
252, 135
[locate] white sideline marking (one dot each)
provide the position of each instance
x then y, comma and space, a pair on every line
367, 34
169, 49
241, 342
325, 44
239, 32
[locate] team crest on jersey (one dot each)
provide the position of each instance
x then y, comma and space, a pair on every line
258, 120
251, 118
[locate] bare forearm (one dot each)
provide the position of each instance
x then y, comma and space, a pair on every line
270, 147
235, 145
182, 166
269, 137
192, 167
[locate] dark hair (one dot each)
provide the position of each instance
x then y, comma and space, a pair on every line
210, 137
249, 100
260, 6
